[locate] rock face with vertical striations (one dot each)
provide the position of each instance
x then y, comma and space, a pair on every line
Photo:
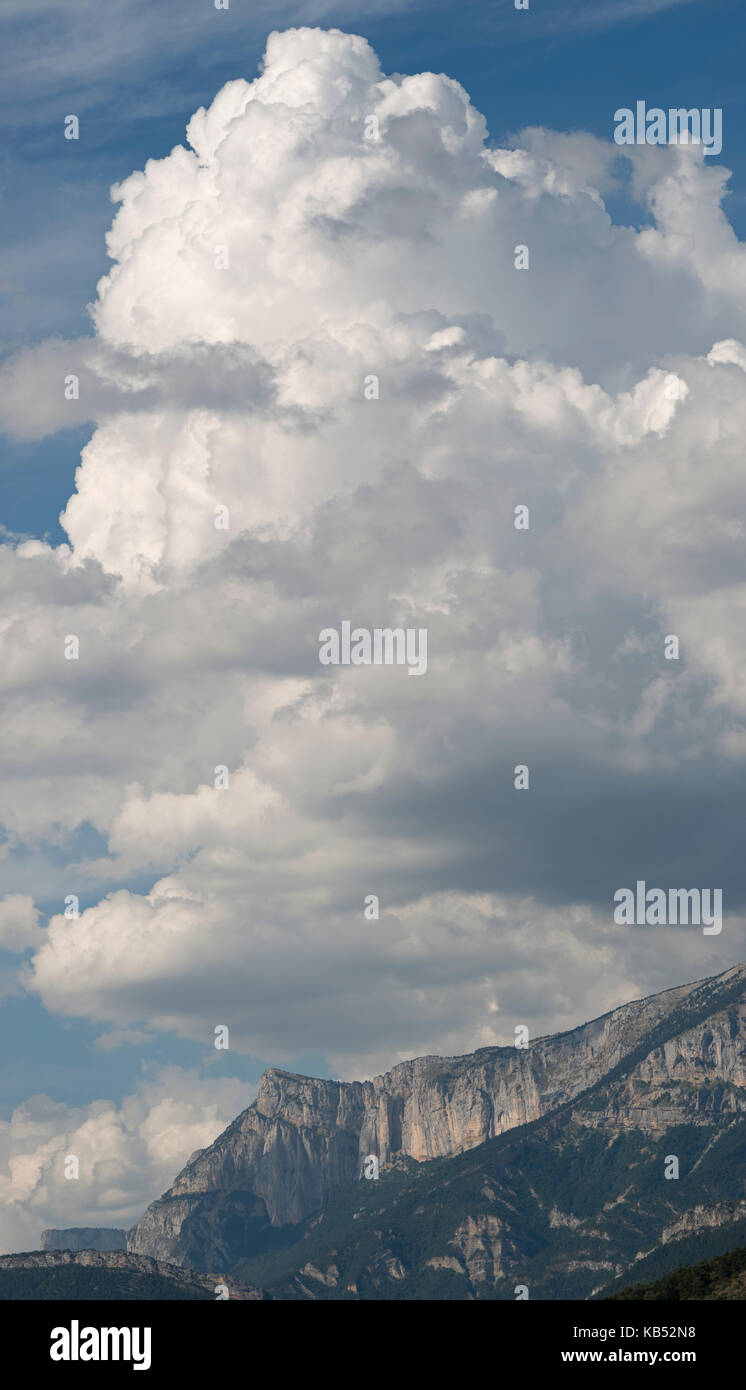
304, 1139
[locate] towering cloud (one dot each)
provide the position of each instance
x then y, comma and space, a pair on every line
342, 339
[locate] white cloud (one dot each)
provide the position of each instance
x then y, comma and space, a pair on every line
126, 1154
19, 923
423, 978
603, 388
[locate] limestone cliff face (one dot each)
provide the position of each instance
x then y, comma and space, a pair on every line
693, 1078
303, 1138
702, 1218
85, 1238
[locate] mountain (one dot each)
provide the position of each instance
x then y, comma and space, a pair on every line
563, 1213
95, 1274
723, 1278
85, 1238
542, 1166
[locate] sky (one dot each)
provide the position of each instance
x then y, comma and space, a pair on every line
224, 260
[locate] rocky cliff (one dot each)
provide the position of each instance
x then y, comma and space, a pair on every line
676, 1057
85, 1238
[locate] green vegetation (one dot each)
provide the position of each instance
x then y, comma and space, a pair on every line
85, 1284
722, 1278
543, 1179
690, 1250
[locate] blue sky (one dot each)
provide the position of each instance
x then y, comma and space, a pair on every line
135, 72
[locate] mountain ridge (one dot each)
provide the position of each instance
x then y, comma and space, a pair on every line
121, 1274
303, 1140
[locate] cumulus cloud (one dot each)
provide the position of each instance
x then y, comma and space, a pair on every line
449, 973
260, 275
19, 923
127, 1154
